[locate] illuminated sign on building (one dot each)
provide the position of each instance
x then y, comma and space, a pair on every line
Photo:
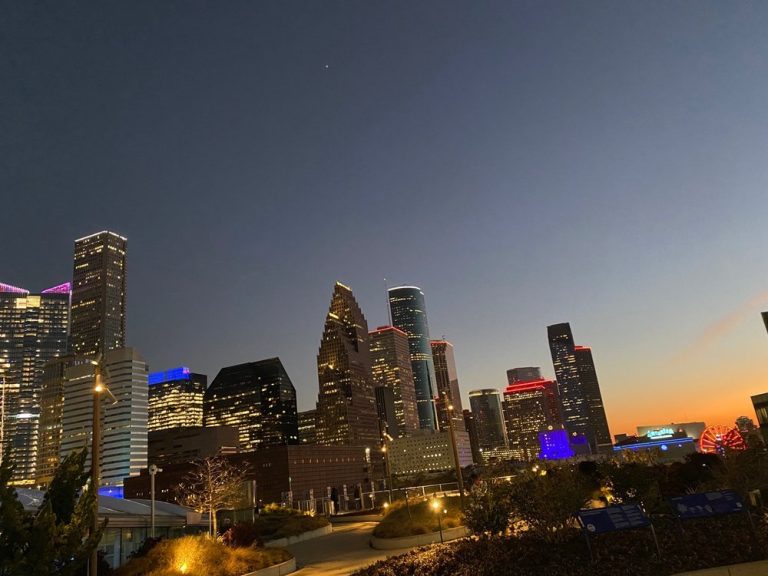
661, 433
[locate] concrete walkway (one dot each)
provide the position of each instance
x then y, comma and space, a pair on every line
339, 553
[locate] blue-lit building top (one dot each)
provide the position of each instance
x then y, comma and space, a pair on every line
409, 314
180, 373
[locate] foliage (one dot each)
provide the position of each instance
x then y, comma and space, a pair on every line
488, 508
631, 481
242, 535
55, 540
145, 547
418, 518
214, 484
201, 556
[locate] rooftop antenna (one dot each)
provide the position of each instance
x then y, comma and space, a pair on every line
386, 295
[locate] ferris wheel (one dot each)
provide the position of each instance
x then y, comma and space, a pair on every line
718, 439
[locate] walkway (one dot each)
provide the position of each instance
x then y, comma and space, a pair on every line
339, 553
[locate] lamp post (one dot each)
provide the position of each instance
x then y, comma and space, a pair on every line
98, 387
153, 469
456, 463
387, 470
436, 507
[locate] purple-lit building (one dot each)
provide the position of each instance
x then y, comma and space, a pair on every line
33, 330
554, 445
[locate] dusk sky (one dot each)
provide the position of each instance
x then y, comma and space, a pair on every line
525, 163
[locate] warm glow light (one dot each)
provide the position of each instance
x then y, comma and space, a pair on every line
435, 504
98, 388
183, 568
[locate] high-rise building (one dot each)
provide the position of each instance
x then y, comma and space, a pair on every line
409, 314
530, 408
391, 367
582, 403
51, 406
427, 451
98, 294
489, 418
385, 408
124, 420
257, 398
346, 404
474, 441
760, 403
33, 330
525, 374
176, 398
307, 423
448, 394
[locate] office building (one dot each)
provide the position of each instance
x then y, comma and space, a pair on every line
33, 330
474, 441
489, 418
124, 414
447, 380
582, 402
409, 314
530, 408
346, 404
427, 451
391, 367
525, 374
385, 409
307, 426
190, 443
176, 398
257, 398
98, 294
661, 431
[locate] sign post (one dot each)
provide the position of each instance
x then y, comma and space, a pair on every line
613, 519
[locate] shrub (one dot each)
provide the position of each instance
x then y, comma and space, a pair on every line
488, 508
422, 519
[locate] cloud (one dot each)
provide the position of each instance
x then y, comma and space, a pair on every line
724, 326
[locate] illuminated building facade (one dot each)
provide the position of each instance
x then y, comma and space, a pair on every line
582, 403
427, 451
346, 404
409, 314
447, 380
98, 294
257, 398
124, 422
307, 426
489, 419
33, 330
554, 445
525, 374
176, 398
662, 431
391, 367
530, 408
385, 409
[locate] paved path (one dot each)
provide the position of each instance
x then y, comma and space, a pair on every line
339, 553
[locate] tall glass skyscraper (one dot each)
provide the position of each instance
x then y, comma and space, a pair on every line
346, 402
447, 379
489, 418
582, 402
176, 398
98, 294
409, 313
33, 330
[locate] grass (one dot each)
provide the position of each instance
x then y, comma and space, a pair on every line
421, 520
201, 556
282, 523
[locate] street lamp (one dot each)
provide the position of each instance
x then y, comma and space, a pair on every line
153, 469
456, 463
436, 506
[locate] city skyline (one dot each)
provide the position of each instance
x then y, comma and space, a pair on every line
621, 170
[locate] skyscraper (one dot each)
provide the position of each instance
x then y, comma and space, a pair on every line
529, 408
489, 419
471, 427
33, 330
391, 367
124, 422
176, 398
346, 405
582, 403
257, 398
525, 374
307, 425
447, 385
98, 294
406, 304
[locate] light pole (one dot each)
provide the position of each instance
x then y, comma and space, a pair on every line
153, 469
456, 463
98, 387
436, 507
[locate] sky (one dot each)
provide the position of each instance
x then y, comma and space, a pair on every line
525, 163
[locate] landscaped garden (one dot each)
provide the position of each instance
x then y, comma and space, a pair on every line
419, 517
274, 523
526, 525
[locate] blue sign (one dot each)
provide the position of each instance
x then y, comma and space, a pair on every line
613, 518
707, 504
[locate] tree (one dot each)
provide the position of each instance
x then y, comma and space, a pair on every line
488, 508
214, 484
55, 540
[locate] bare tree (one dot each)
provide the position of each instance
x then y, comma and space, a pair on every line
214, 484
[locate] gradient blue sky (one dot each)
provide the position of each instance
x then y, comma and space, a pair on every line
603, 163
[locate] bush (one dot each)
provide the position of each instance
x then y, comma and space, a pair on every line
488, 508
242, 535
201, 556
421, 520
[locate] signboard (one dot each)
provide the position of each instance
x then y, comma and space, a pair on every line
661, 433
613, 518
707, 504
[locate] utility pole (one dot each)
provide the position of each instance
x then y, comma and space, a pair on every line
456, 463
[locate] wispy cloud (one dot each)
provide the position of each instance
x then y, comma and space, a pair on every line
722, 327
